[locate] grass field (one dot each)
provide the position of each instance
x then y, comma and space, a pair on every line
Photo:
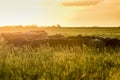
61, 63
113, 32
97, 31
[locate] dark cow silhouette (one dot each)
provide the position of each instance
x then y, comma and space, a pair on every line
112, 43
96, 44
56, 36
36, 38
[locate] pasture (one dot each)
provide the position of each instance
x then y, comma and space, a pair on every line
59, 62
86, 31
113, 32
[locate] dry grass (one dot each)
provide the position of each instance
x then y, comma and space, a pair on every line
46, 63
61, 63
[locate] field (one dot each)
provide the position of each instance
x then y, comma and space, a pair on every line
113, 32
60, 63
98, 31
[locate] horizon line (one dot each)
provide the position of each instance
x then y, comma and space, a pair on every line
56, 25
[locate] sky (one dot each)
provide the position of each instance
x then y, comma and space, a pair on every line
74, 13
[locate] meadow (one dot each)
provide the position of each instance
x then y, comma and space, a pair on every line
61, 63
112, 32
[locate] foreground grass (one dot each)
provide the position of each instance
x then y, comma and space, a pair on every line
46, 63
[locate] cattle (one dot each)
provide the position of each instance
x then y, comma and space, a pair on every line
25, 38
72, 37
17, 41
64, 42
112, 43
56, 36
30, 35
39, 34
39, 37
12, 35
97, 43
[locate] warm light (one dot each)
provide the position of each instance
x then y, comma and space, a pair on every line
52, 12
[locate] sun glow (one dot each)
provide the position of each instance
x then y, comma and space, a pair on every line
17, 12
52, 12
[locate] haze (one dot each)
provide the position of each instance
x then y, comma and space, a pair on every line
63, 12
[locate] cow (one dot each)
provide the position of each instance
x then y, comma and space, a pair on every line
38, 37
112, 43
96, 43
56, 36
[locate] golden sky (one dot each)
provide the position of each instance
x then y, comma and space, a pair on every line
63, 12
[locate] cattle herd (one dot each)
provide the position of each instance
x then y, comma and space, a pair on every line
36, 38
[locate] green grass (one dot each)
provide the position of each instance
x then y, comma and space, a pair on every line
46, 63
97, 31
61, 63
113, 32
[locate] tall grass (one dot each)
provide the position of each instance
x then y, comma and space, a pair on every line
59, 63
